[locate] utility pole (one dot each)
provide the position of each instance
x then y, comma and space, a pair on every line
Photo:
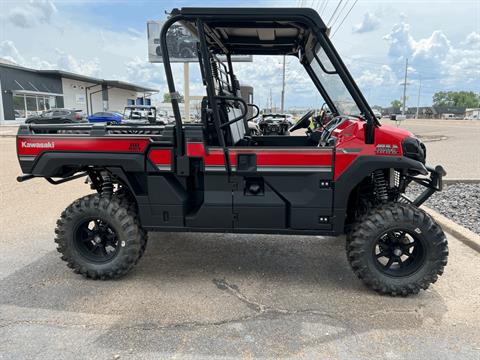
186, 90
418, 100
283, 87
271, 110
405, 87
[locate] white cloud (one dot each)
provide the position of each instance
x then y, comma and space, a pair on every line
472, 40
265, 74
400, 41
62, 61
10, 52
45, 9
462, 68
433, 48
370, 22
440, 64
383, 76
30, 14
68, 62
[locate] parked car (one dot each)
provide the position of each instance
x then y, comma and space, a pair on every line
58, 116
398, 117
106, 117
377, 114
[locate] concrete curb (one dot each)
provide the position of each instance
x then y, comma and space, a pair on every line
460, 181
466, 236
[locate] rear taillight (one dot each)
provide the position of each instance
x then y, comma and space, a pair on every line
78, 116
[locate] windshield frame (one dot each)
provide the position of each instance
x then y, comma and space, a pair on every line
322, 73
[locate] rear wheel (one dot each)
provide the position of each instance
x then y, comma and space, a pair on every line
99, 237
397, 249
128, 201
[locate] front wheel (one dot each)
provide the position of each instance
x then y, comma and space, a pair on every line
397, 249
100, 237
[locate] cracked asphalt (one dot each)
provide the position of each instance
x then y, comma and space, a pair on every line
215, 296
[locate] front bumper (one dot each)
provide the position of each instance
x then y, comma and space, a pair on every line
432, 184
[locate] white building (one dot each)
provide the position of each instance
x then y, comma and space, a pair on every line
26, 92
472, 114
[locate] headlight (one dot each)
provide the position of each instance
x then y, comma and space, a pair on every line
414, 149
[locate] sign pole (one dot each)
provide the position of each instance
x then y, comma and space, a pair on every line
186, 90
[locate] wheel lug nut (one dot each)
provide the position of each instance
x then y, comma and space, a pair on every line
397, 252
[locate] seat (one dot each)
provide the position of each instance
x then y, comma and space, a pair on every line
235, 133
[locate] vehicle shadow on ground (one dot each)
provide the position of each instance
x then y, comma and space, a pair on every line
225, 295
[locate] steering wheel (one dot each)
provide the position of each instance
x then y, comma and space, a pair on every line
304, 121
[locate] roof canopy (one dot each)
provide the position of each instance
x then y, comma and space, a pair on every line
255, 31
88, 79
112, 83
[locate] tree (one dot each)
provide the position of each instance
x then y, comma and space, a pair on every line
396, 105
167, 98
467, 99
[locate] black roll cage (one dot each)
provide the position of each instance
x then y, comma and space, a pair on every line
199, 16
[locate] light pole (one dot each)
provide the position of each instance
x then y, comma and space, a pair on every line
418, 100
405, 87
283, 87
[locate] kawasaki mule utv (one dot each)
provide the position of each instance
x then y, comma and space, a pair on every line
347, 177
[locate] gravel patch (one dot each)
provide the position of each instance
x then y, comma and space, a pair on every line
458, 202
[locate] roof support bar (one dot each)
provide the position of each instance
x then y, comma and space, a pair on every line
171, 83
209, 80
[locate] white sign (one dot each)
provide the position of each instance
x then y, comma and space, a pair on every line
181, 43
80, 99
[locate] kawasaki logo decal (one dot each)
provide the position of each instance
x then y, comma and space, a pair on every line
38, 145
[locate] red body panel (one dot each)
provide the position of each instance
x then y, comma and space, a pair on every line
161, 157
32, 146
288, 157
214, 157
351, 143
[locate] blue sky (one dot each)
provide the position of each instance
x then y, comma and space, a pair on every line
108, 39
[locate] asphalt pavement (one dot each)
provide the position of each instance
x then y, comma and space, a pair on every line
214, 295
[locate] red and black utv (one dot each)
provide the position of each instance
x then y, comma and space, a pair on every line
347, 177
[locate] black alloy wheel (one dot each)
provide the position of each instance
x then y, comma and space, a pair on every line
398, 253
100, 236
96, 240
397, 249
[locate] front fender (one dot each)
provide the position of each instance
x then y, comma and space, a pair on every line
358, 170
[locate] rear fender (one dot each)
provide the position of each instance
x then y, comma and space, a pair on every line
59, 164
